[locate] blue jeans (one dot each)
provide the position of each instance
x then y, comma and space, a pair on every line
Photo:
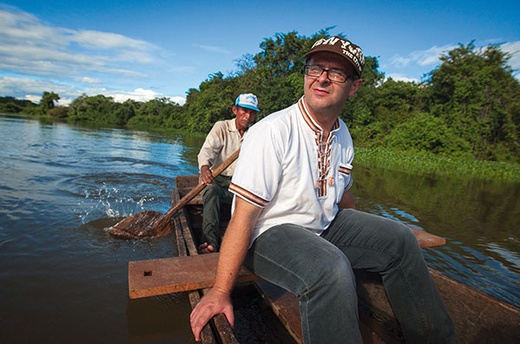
319, 270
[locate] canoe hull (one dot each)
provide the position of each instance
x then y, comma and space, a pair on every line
478, 317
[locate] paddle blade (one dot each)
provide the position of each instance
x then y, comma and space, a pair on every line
154, 224
138, 226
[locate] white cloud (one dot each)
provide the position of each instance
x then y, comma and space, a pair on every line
32, 89
513, 48
178, 99
428, 57
32, 48
138, 94
401, 77
431, 56
35, 99
89, 80
106, 40
212, 49
36, 57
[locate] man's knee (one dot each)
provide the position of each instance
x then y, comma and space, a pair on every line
335, 279
211, 191
404, 236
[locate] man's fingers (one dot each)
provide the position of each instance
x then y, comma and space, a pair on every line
213, 303
230, 316
197, 323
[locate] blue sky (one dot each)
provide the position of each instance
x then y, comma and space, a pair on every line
147, 49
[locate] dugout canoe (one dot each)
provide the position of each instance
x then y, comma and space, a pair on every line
267, 314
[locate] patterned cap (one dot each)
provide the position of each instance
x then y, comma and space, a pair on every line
343, 47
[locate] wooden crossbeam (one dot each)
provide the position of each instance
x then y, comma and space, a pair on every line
178, 274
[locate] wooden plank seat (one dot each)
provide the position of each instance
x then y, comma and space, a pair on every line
177, 274
185, 273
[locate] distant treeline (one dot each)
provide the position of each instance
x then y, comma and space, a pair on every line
468, 107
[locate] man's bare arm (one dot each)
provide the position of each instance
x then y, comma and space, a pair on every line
232, 254
347, 201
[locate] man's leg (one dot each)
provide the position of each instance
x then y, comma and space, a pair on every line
213, 196
389, 248
318, 273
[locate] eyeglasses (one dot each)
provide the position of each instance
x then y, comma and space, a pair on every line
334, 75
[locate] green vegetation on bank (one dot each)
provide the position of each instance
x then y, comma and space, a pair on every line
465, 114
426, 163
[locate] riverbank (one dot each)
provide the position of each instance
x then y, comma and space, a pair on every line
430, 164
419, 162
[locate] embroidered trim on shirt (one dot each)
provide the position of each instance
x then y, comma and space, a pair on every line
310, 121
248, 196
323, 149
344, 169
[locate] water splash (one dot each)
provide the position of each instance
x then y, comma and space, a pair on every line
111, 202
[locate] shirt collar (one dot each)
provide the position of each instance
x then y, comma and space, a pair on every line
310, 121
232, 124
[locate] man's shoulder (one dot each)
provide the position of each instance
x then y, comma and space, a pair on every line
283, 115
275, 125
226, 124
343, 128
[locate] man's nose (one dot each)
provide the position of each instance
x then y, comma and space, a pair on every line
324, 76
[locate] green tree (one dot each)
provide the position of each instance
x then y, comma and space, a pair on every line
475, 93
428, 133
13, 105
47, 101
277, 72
126, 111
157, 113
58, 112
359, 112
99, 109
211, 103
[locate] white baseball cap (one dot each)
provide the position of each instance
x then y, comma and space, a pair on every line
247, 100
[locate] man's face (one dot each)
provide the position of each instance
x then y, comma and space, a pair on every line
244, 117
321, 94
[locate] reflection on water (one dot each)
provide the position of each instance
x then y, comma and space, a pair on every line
65, 278
479, 219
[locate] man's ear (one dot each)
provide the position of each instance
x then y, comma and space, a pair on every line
355, 86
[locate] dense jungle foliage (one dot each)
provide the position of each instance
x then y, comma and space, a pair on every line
468, 107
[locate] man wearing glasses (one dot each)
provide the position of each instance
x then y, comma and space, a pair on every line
295, 224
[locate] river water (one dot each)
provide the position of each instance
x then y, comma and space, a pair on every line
64, 279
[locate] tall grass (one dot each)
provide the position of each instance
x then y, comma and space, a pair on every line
428, 163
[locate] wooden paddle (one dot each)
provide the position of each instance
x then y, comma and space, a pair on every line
153, 223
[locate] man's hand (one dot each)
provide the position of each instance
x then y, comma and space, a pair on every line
213, 303
206, 176
206, 248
